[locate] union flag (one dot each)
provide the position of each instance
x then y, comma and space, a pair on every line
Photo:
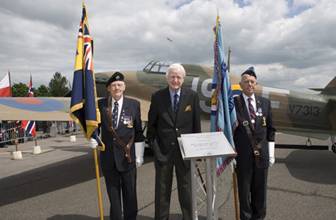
84, 106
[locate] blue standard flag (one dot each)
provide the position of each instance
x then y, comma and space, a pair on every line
223, 113
84, 107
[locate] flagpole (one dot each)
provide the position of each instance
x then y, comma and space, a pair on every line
100, 201
228, 61
10, 84
83, 107
233, 168
235, 190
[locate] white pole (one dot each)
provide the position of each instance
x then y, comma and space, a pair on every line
214, 191
193, 188
209, 189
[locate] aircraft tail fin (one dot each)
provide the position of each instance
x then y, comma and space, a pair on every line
330, 89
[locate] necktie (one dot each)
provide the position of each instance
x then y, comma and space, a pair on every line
251, 110
115, 115
176, 96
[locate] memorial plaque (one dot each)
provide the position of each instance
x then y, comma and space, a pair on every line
207, 144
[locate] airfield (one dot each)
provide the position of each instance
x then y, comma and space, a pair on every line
60, 184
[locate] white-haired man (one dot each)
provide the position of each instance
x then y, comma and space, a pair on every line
173, 111
120, 130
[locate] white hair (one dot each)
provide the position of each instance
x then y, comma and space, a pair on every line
176, 67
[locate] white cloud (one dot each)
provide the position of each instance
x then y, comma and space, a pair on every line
293, 52
298, 3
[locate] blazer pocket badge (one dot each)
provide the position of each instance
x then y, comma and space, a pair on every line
188, 108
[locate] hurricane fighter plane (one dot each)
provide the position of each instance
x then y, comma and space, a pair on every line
304, 114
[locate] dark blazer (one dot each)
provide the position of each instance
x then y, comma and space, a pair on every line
164, 126
113, 151
263, 132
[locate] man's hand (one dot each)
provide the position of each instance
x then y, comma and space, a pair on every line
139, 162
271, 153
93, 143
139, 153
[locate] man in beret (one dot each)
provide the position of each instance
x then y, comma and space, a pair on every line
120, 129
254, 142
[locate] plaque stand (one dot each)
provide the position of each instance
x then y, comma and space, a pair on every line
206, 146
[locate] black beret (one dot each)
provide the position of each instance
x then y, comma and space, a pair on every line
117, 76
250, 71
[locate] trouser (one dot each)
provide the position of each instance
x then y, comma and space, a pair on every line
252, 185
163, 187
125, 183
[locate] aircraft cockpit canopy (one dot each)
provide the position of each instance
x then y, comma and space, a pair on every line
156, 67
192, 70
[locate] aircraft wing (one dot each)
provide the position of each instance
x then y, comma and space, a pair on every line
45, 108
322, 135
35, 108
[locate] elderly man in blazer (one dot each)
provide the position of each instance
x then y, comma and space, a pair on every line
120, 129
254, 142
173, 111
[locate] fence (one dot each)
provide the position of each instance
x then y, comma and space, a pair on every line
12, 130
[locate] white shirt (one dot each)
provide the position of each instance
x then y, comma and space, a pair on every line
120, 102
253, 102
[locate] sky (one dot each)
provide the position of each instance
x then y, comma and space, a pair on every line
291, 43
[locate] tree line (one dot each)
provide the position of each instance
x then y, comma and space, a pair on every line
58, 87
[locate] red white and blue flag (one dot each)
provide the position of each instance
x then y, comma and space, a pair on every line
223, 114
29, 126
5, 87
30, 88
84, 106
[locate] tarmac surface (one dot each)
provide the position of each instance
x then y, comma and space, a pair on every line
60, 184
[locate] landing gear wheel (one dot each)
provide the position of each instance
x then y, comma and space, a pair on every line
333, 148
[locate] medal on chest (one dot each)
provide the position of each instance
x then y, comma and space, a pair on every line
259, 112
127, 119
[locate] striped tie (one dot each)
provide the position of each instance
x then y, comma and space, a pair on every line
251, 110
115, 115
176, 96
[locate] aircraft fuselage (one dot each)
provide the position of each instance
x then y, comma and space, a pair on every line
292, 111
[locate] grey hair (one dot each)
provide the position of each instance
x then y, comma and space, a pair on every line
177, 67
